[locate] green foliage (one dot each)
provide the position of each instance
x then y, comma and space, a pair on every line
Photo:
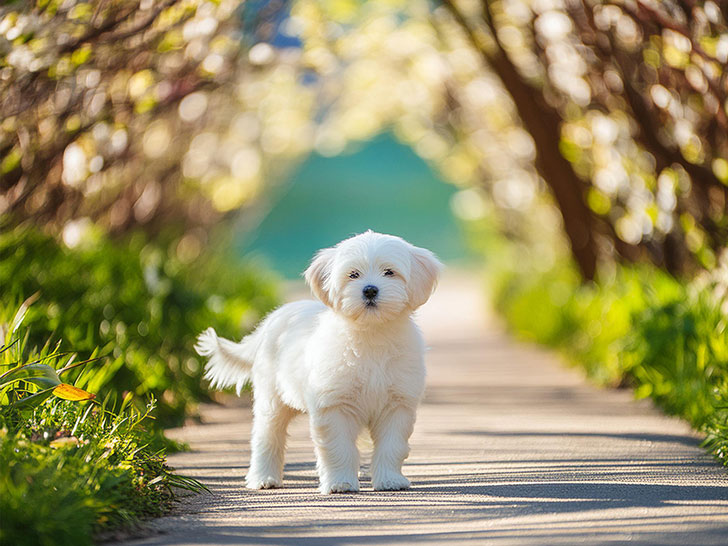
60, 489
592, 320
639, 327
80, 450
43, 376
132, 302
686, 344
72, 468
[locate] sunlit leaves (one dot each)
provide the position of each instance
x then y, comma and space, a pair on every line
720, 169
11, 161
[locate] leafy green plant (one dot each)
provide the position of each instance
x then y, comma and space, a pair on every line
135, 302
81, 446
43, 376
72, 467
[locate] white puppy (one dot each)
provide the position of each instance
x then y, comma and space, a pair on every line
353, 360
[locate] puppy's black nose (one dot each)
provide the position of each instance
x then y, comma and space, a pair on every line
370, 291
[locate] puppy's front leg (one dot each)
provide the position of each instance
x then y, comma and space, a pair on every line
334, 433
390, 434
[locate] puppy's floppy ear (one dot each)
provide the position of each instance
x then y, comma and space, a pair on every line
423, 279
319, 272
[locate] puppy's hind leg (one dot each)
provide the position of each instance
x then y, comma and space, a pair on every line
268, 444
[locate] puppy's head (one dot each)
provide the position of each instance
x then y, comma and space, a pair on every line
373, 277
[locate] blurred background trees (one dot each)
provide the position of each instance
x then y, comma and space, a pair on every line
130, 114
633, 95
604, 122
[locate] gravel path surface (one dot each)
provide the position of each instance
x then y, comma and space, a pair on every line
510, 447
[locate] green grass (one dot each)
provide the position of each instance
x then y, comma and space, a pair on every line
137, 303
72, 467
96, 358
638, 327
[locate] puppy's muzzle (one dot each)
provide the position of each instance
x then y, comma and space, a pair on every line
370, 294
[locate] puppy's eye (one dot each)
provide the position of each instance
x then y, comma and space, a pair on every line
354, 275
388, 272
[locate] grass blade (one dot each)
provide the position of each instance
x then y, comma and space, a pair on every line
40, 374
33, 400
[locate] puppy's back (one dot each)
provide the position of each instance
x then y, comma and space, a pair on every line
287, 327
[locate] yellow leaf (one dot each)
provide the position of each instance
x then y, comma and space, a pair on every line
69, 441
69, 392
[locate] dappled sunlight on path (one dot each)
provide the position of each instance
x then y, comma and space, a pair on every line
510, 447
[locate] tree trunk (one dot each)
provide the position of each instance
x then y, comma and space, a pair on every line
544, 125
543, 122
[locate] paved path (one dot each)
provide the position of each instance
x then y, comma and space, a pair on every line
510, 447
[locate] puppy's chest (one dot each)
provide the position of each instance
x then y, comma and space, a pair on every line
371, 381
366, 381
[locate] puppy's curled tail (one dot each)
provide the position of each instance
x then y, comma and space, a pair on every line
230, 363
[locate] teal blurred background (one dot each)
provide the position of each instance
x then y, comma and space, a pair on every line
380, 184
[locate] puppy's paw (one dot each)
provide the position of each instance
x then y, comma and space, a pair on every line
267, 482
339, 487
390, 482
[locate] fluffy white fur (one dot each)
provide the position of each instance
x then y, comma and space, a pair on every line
349, 362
